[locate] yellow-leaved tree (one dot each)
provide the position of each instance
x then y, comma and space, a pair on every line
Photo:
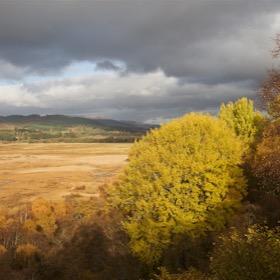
183, 178
241, 116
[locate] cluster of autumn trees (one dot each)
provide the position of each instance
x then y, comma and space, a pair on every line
200, 195
199, 199
196, 201
63, 240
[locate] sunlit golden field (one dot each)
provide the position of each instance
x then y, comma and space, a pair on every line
57, 171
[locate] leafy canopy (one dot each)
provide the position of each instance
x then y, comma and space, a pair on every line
253, 255
266, 161
241, 116
183, 178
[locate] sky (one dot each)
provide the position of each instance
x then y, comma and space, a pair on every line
138, 60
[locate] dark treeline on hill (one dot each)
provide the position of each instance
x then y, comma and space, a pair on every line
62, 128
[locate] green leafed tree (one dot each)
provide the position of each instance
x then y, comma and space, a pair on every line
183, 178
243, 118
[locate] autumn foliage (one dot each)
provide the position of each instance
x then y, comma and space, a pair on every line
179, 210
246, 256
266, 162
244, 119
183, 178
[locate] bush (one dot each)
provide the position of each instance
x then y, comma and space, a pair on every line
251, 256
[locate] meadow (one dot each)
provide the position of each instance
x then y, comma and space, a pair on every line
56, 171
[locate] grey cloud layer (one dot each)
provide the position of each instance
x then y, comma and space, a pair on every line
152, 95
207, 43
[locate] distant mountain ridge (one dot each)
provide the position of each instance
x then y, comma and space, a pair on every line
66, 121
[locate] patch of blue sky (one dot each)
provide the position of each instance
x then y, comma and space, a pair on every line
75, 69
6, 83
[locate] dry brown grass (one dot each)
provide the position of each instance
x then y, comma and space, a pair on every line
55, 171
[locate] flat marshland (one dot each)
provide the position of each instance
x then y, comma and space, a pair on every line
57, 171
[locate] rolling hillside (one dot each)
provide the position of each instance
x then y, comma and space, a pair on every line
62, 128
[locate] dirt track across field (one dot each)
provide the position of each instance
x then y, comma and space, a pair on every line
57, 171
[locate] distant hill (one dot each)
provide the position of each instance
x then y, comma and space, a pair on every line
69, 128
66, 121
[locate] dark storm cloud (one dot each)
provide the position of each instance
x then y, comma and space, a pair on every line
182, 37
211, 48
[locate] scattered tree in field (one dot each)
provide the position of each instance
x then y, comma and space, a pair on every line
254, 255
183, 178
243, 118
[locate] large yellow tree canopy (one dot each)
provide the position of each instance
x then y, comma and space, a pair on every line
183, 178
